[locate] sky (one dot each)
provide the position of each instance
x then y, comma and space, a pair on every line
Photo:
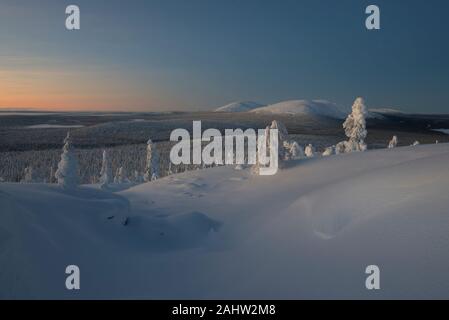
144, 55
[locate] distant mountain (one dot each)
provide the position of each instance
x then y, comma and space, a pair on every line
239, 106
304, 107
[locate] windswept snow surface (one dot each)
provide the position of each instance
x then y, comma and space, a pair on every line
304, 107
240, 106
307, 232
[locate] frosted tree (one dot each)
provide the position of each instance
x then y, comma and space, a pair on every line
29, 176
94, 180
282, 136
169, 170
262, 147
294, 150
152, 163
67, 173
309, 151
340, 147
116, 175
329, 151
121, 176
355, 127
106, 171
393, 142
415, 143
52, 175
137, 177
282, 129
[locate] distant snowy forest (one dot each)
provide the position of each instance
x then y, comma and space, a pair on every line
40, 165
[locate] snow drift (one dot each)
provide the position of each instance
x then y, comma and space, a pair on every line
303, 107
307, 232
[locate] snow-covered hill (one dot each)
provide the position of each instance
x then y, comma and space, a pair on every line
307, 232
303, 107
240, 106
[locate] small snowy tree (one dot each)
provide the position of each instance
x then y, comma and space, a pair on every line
415, 143
94, 179
138, 177
106, 171
393, 142
340, 147
293, 150
121, 176
67, 173
152, 163
309, 151
329, 151
263, 143
282, 136
169, 170
282, 129
355, 127
29, 176
52, 175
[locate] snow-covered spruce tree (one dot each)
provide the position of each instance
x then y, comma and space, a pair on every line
393, 142
282, 129
67, 173
52, 175
355, 127
329, 151
169, 170
282, 151
309, 151
116, 175
294, 150
152, 163
121, 176
29, 176
106, 171
262, 145
94, 179
282, 136
340, 147
137, 177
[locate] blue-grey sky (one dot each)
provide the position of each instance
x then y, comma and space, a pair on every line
200, 54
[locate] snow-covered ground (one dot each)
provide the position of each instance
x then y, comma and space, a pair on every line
307, 232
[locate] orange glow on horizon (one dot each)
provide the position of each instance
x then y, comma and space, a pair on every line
74, 91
